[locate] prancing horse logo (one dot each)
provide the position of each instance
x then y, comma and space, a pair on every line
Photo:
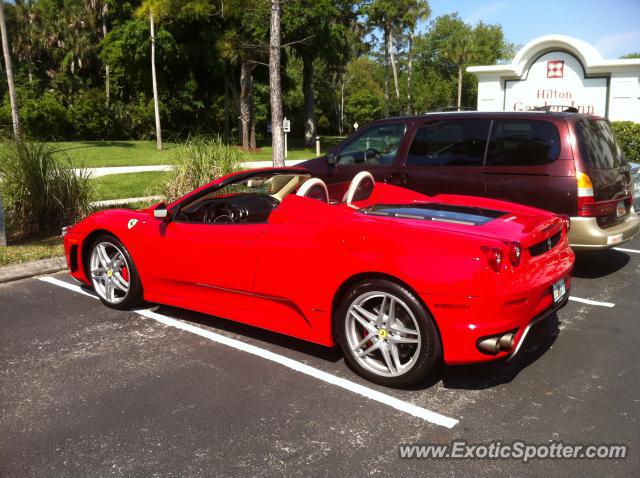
132, 222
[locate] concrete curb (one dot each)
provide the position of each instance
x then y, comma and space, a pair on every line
30, 269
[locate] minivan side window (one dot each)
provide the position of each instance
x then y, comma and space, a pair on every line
598, 145
458, 142
376, 145
522, 143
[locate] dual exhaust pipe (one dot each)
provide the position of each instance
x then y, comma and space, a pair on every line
498, 343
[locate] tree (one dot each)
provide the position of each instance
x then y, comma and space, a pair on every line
26, 39
459, 50
388, 15
316, 31
630, 56
152, 8
419, 12
241, 45
9, 71
101, 9
277, 138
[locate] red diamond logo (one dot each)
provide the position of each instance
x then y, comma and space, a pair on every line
555, 69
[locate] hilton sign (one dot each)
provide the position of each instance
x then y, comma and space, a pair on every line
557, 72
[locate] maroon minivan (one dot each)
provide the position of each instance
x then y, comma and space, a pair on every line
568, 163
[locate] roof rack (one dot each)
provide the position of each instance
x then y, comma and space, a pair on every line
451, 108
556, 109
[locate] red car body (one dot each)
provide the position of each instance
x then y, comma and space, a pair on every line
287, 274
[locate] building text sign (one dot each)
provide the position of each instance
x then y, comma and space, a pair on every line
557, 79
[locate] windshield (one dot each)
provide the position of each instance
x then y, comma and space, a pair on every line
274, 184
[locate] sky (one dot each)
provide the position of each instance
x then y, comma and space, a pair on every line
612, 26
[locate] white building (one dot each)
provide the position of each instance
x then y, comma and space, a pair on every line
557, 70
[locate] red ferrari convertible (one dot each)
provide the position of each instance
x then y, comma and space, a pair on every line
400, 280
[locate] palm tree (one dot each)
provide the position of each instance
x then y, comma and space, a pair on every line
101, 10
156, 103
9, 71
26, 40
277, 133
460, 51
153, 8
234, 49
418, 13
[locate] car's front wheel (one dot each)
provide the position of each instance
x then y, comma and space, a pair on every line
113, 274
386, 333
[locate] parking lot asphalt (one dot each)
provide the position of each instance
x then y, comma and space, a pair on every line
90, 391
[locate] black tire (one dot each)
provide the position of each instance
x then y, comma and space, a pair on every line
133, 296
430, 353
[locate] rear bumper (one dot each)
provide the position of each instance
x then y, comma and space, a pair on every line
464, 321
586, 234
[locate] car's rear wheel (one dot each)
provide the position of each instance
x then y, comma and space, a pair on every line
113, 274
386, 333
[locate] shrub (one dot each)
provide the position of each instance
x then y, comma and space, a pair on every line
88, 116
198, 161
628, 134
44, 117
41, 192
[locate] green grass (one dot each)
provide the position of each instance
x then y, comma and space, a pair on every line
296, 149
130, 185
32, 251
96, 154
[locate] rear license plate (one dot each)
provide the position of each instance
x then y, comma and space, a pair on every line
559, 290
621, 209
614, 239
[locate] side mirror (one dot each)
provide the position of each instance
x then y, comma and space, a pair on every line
160, 211
332, 158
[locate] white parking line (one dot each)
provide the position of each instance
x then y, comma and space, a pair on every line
626, 250
371, 394
591, 302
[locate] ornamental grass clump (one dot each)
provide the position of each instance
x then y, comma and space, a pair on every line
41, 192
198, 161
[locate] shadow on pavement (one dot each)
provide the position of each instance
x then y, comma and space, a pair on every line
487, 375
593, 265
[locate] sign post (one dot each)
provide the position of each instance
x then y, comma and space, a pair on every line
3, 236
286, 127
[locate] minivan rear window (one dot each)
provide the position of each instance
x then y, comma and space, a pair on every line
522, 143
598, 145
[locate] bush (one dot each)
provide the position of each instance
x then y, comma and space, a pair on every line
198, 161
628, 134
44, 117
41, 192
88, 116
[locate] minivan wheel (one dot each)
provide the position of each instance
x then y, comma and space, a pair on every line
113, 274
386, 334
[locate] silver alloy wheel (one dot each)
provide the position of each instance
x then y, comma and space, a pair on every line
383, 334
110, 273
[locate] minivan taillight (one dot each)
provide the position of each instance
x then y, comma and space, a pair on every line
586, 201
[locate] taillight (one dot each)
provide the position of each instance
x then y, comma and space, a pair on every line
586, 201
494, 257
515, 252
